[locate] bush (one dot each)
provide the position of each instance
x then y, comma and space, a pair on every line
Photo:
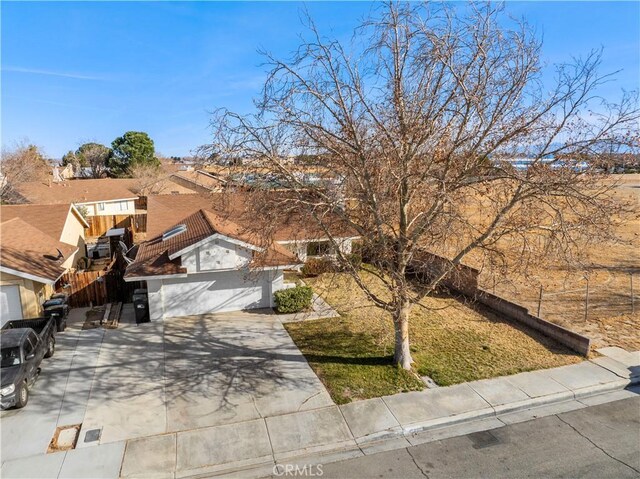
355, 259
316, 266
293, 300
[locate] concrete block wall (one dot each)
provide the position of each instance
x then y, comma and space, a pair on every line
464, 279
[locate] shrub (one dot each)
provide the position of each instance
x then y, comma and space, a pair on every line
293, 300
355, 259
316, 266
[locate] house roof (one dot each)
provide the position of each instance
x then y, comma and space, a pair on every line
78, 191
154, 257
30, 252
50, 219
198, 178
164, 211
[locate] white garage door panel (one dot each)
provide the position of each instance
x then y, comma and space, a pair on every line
218, 292
10, 306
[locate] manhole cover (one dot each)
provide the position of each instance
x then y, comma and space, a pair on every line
483, 439
64, 438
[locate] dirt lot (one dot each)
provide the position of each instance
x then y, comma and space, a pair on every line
610, 321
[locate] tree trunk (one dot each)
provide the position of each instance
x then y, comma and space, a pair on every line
402, 353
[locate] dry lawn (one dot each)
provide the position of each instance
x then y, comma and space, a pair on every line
451, 342
610, 321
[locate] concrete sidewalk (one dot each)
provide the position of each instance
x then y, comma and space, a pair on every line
364, 427
324, 434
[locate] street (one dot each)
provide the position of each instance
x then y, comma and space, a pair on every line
599, 441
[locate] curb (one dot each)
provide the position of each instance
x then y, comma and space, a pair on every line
401, 437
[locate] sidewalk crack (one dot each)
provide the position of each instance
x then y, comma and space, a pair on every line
597, 446
416, 463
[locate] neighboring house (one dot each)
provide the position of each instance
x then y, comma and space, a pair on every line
39, 243
198, 261
198, 181
204, 264
96, 197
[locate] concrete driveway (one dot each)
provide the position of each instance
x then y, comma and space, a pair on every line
181, 374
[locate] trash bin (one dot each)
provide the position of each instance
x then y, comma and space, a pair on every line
141, 306
61, 322
57, 308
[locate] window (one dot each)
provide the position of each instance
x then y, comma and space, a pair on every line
10, 357
28, 347
123, 206
100, 206
318, 248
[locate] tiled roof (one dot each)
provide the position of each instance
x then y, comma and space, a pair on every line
163, 211
154, 256
29, 250
78, 191
50, 219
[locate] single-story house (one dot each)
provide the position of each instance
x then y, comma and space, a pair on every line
205, 263
300, 236
198, 181
39, 244
198, 261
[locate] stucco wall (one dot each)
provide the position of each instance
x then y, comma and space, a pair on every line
73, 234
32, 293
216, 255
299, 248
110, 208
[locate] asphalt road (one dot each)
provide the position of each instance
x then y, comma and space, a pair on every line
599, 442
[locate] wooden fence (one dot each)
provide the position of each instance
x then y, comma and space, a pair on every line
88, 288
99, 225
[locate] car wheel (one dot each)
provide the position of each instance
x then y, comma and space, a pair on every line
51, 348
22, 395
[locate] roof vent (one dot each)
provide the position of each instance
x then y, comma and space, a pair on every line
176, 230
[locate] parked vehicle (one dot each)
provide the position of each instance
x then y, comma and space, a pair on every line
57, 307
24, 343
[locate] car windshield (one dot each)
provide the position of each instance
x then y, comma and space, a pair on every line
10, 357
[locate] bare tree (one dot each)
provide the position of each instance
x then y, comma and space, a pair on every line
418, 121
150, 179
24, 162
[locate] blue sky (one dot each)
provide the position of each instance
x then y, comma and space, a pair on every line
75, 72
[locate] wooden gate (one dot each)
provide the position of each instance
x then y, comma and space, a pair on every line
88, 288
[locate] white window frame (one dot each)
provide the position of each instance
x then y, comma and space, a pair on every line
123, 206
101, 206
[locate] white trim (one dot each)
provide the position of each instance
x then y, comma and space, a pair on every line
273, 268
314, 240
214, 237
32, 277
93, 202
79, 216
160, 276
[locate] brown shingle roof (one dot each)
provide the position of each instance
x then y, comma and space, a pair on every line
29, 250
165, 210
50, 219
77, 191
154, 256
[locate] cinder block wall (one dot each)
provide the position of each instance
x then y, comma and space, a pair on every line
464, 279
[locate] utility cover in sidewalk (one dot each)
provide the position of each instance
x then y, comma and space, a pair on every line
483, 439
64, 438
92, 435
